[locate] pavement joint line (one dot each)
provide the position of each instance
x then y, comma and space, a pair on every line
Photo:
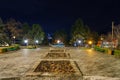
79, 69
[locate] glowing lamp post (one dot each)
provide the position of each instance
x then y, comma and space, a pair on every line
58, 41
79, 41
26, 42
36, 41
14, 39
89, 42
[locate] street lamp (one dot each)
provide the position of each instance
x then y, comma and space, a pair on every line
14, 39
36, 41
26, 42
58, 41
89, 42
79, 41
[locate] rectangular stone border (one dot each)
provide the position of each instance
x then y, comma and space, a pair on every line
32, 73
51, 48
67, 56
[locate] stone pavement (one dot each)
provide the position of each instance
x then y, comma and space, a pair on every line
93, 65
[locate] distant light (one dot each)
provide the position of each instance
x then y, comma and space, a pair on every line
25, 41
79, 41
58, 41
102, 38
14, 37
90, 42
36, 41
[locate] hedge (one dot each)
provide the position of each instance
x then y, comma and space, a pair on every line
100, 49
31, 47
117, 53
2, 50
109, 51
11, 48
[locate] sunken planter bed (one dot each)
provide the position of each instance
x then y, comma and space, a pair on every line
54, 68
56, 63
53, 55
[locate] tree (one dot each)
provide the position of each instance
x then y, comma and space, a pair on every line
1, 31
80, 31
116, 34
36, 33
13, 30
3, 36
25, 28
95, 37
60, 35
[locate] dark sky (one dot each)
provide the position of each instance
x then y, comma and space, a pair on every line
56, 14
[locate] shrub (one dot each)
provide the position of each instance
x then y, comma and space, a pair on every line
117, 53
100, 49
2, 50
16, 47
31, 47
12, 48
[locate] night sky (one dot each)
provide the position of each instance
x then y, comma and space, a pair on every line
61, 14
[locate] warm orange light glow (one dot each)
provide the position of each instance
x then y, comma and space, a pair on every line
90, 42
58, 41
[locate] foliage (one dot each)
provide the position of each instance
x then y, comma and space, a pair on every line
117, 53
60, 35
36, 33
116, 34
25, 28
94, 36
10, 29
13, 28
81, 31
10, 48
100, 49
2, 50
31, 47
3, 35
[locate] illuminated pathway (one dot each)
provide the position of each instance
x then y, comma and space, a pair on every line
93, 65
96, 65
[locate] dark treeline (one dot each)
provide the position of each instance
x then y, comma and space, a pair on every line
14, 30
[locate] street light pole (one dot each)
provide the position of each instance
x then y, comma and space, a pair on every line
112, 29
112, 34
14, 39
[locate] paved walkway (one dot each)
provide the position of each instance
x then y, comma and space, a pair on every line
15, 64
96, 64
93, 65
